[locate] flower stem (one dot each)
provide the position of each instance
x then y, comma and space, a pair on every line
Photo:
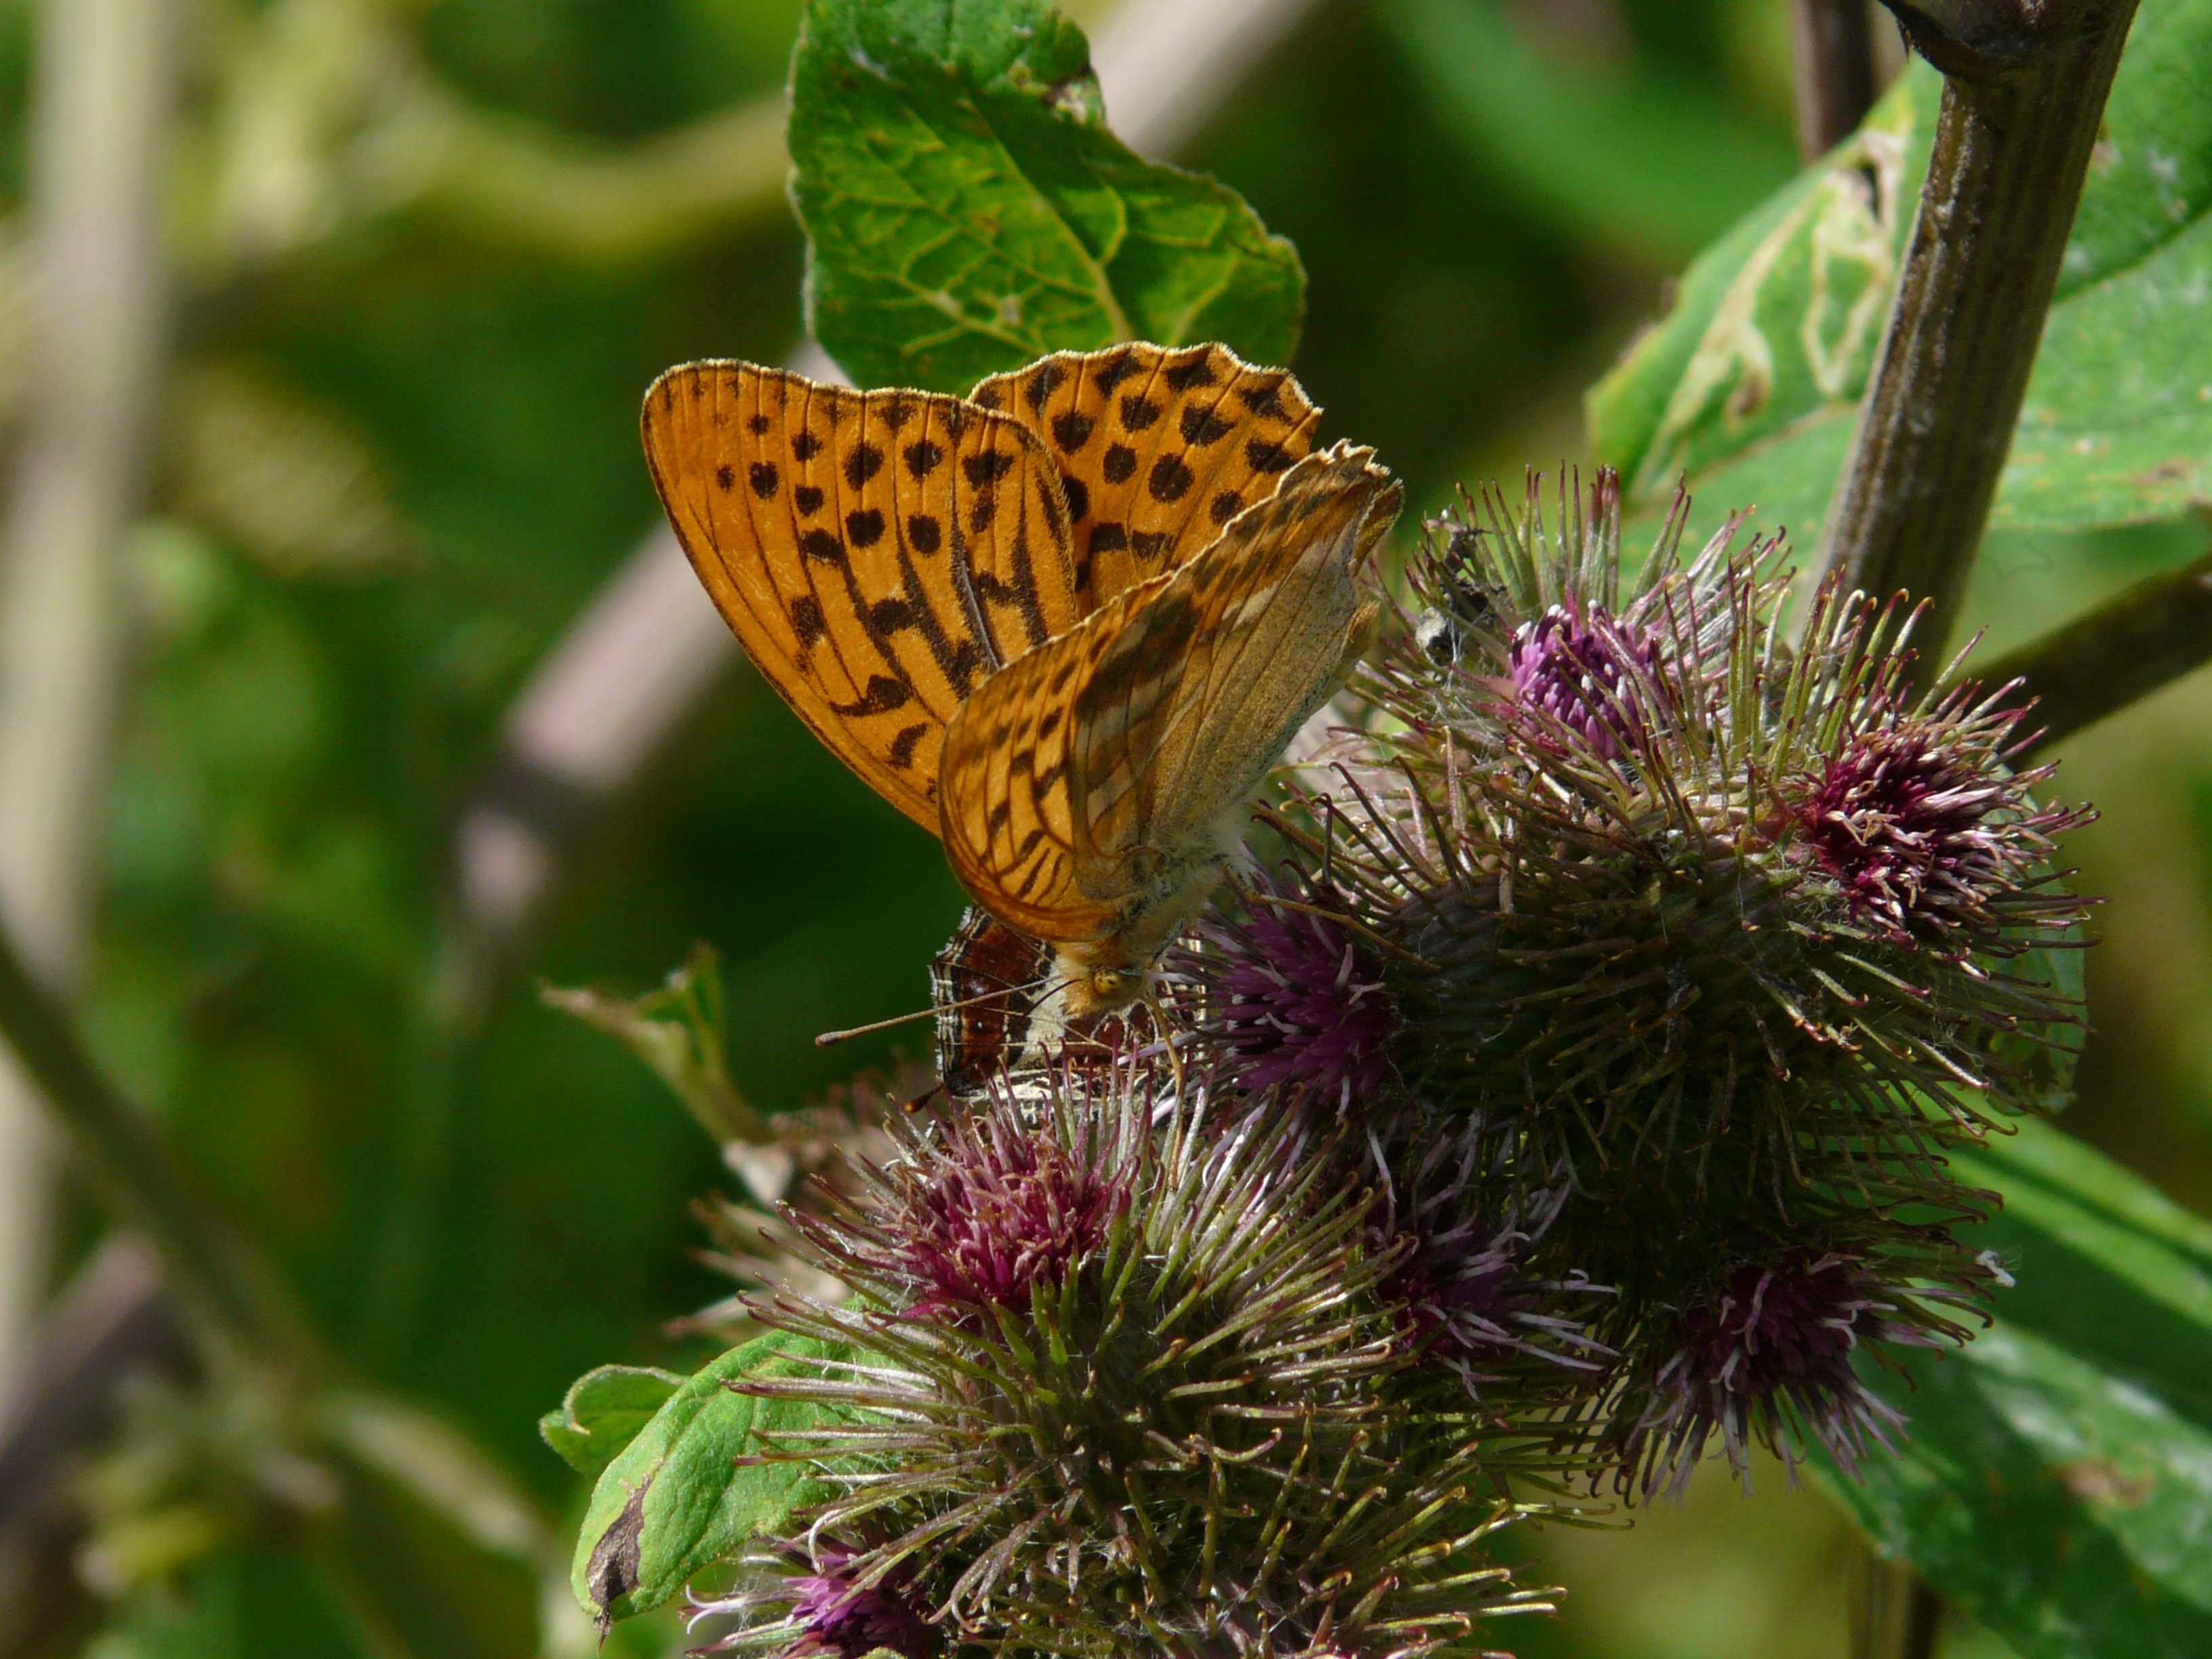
2126, 648
2025, 88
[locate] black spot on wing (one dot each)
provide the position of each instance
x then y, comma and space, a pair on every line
1121, 463
865, 527
1149, 544
967, 662
1201, 426
764, 479
1198, 371
984, 470
1109, 538
822, 545
1225, 506
806, 621
863, 464
923, 533
1263, 397
1264, 457
903, 745
1170, 479
726, 477
1041, 383
806, 445
1114, 370
1072, 430
757, 425
807, 498
1077, 495
1137, 413
921, 458
884, 694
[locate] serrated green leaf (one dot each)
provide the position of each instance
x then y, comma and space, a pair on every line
967, 209
2058, 1478
1750, 384
674, 1502
602, 1412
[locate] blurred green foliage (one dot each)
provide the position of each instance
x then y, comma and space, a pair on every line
317, 682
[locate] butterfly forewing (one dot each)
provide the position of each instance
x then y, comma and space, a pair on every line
877, 553
1158, 448
1084, 783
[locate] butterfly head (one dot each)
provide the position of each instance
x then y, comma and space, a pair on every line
1093, 988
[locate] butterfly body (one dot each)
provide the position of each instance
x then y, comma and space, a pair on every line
1068, 623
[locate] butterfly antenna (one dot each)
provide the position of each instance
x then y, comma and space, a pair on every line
832, 1039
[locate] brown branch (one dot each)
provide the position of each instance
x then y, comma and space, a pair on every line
2124, 649
2026, 89
1835, 72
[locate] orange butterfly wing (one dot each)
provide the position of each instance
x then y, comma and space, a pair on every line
877, 553
1084, 782
1158, 448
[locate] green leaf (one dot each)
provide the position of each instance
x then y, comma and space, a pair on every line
967, 209
602, 1412
674, 1502
678, 1031
1751, 384
2057, 1479
1636, 155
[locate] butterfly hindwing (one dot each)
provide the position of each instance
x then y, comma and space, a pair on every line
1258, 627
1084, 783
1158, 448
877, 553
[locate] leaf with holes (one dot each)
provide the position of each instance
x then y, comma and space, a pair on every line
1750, 385
967, 209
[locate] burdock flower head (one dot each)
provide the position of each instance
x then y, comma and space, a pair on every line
1294, 999
1586, 670
998, 1212
1764, 1356
823, 1606
1163, 1420
1685, 892
1723, 937
1918, 834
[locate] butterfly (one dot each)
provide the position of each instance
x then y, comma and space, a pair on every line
1066, 623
